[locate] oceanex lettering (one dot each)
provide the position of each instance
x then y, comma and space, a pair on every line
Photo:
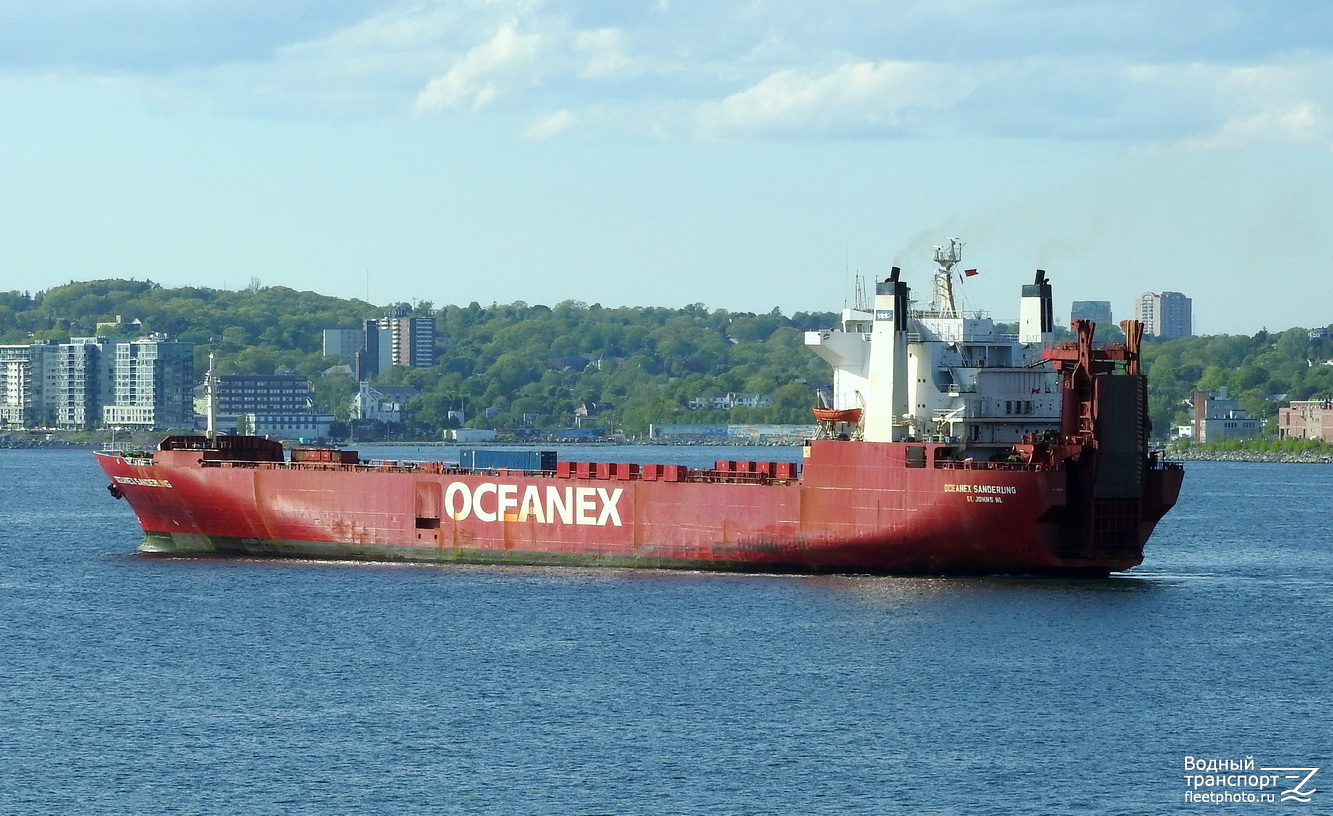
490, 501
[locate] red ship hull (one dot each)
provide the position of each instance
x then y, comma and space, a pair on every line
884, 508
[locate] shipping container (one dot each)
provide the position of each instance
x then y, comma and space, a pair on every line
489, 459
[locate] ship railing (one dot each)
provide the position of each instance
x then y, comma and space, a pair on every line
956, 314
971, 464
726, 477
762, 473
1158, 462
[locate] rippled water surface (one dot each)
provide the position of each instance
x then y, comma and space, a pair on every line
132, 684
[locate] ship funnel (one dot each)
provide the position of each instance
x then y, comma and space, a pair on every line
887, 394
1035, 321
893, 275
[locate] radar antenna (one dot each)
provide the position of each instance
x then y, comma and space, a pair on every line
946, 258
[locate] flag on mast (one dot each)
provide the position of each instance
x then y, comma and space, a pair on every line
969, 272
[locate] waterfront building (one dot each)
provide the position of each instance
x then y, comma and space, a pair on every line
1218, 417
1306, 419
151, 383
83, 376
277, 405
301, 426
20, 384
283, 392
98, 380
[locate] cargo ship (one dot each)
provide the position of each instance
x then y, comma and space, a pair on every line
949, 448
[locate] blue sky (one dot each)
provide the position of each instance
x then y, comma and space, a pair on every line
746, 155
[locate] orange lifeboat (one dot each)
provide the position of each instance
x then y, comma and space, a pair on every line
837, 414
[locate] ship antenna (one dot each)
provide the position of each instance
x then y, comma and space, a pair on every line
946, 259
210, 390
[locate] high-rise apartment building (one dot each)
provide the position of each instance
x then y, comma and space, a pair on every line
413, 341
1167, 315
88, 381
20, 383
80, 382
344, 343
395, 340
152, 384
376, 352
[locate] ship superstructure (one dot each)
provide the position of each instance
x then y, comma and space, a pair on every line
943, 374
950, 448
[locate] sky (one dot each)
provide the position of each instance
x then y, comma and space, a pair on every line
743, 154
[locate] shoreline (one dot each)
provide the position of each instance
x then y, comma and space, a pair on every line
1270, 457
1279, 457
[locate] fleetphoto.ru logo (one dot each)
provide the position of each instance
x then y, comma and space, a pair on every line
1223, 781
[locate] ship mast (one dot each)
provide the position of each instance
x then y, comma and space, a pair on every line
941, 303
210, 393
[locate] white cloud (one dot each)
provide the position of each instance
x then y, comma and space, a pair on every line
604, 52
398, 30
1082, 69
548, 127
857, 95
161, 37
474, 80
1303, 124
1280, 102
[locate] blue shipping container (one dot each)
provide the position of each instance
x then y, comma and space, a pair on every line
488, 459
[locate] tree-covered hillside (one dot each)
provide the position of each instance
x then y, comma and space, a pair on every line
276, 319
526, 364
1263, 371
535, 364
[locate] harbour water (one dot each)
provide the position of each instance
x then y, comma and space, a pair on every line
132, 684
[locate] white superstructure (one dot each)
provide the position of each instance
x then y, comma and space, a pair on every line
943, 373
